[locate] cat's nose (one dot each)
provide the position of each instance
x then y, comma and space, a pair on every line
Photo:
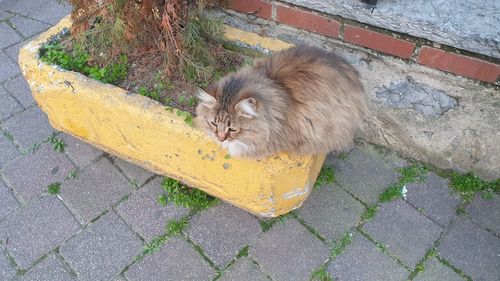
221, 136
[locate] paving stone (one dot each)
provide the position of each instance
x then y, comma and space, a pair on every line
7, 271
19, 89
176, 260
30, 174
37, 229
51, 268
406, 233
486, 212
288, 251
81, 153
8, 202
145, 215
8, 35
331, 211
362, 260
4, 15
436, 271
243, 270
102, 250
222, 231
29, 127
134, 173
365, 175
434, 198
8, 105
472, 249
9, 69
48, 11
28, 27
7, 150
96, 189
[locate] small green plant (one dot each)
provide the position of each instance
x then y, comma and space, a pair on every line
191, 101
432, 252
413, 173
152, 94
340, 245
54, 188
153, 246
188, 118
162, 199
78, 60
243, 252
176, 227
468, 185
181, 195
369, 213
73, 175
182, 99
326, 176
321, 275
57, 143
266, 224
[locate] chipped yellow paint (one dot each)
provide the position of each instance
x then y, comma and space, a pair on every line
253, 39
141, 131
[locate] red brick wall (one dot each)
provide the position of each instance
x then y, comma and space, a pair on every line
370, 37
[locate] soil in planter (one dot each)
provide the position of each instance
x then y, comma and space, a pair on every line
143, 74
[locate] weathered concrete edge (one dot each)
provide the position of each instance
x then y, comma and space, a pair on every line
138, 129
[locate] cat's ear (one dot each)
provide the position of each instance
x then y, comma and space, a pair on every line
247, 107
206, 98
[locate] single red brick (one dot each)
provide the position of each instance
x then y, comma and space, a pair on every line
459, 64
378, 41
308, 21
251, 6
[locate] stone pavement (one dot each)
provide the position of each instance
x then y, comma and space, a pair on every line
106, 222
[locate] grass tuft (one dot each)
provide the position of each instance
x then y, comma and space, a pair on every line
57, 143
469, 184
54, 188
181, 195
326, 176
321, 275
340, 245
414, 173
176, 227
369, 213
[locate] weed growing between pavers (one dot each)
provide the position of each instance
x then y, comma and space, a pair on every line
266, 224
369, 213
469, 184
414, 173
54, 188
321, 275
72, 175
457, 270
243, 252
339, 246
181, 195
57, 143
325, 176
420, 267
176, 227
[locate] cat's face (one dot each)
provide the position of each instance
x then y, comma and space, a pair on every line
232, 119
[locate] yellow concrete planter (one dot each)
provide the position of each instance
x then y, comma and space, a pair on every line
141, 131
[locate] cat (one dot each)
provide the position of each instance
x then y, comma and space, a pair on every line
302, 100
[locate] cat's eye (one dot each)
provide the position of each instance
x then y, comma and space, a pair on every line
232, 130
213, 124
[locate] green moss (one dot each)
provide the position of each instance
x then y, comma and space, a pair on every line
469, 184
57, 143
181, 195
243, 252
321, 275
411, 174
176, 227
340, 245
369, 213
326, 176
54, 188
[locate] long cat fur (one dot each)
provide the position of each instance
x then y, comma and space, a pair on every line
302, 100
